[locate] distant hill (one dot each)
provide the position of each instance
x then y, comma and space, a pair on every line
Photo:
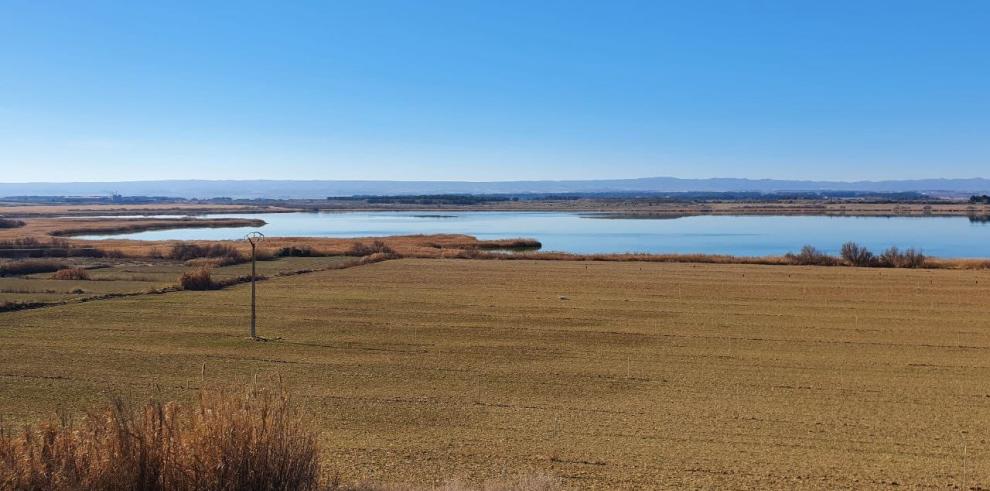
322, 189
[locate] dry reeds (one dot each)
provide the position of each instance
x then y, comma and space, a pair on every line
183, 251
78, 274
360, 249
223, 442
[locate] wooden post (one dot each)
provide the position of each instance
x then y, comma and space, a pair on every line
253, 276
253, 238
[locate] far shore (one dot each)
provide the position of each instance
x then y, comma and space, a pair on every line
605, 208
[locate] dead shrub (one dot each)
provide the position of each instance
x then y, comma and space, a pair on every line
858, 255
78, 274
224, 441
198, 280
809, 256
895, 258
297, 251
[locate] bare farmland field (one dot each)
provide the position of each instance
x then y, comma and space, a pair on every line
605, 374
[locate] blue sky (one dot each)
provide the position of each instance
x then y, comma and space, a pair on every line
493, 90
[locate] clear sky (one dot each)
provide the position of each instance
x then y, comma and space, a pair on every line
494, 90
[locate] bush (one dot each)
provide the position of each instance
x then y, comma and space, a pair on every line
858, 255
809, 256
223, 441
894, 258
376, 247
198, 280
297, 251
29, 266
184, 251
263, 255
8, 223
71, 274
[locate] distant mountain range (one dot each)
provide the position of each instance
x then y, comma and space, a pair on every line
285, 189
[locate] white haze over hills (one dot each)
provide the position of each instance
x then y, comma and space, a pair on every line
289, 189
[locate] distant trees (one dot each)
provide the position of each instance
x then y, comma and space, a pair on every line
809, 256
979, 199
857, 255
854, 254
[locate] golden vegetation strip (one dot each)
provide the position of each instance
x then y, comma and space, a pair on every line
606, 374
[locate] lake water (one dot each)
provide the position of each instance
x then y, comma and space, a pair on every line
579, 233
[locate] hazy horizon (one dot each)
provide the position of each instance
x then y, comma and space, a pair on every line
639, 178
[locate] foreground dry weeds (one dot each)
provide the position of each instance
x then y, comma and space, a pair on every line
227, 441
606, 374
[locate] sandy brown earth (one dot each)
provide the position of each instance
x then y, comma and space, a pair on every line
610, 375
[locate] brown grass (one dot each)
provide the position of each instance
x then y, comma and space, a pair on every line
184, 251
360, 249
225, 441
71, 274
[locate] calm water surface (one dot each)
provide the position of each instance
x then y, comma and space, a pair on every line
570, 232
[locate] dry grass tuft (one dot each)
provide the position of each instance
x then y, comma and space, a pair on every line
71, 274
223, 442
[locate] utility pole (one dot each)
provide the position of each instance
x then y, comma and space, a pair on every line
253, 238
